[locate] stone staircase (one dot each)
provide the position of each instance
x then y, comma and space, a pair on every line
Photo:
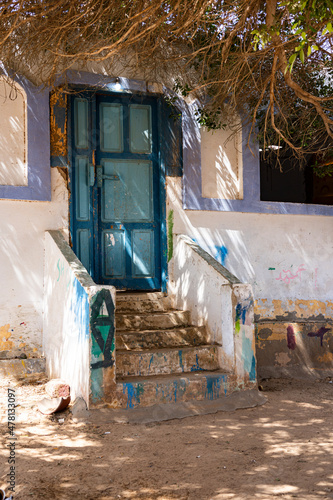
160, 356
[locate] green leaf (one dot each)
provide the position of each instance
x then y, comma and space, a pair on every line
309, 50
329, 27
301, 55
292, 58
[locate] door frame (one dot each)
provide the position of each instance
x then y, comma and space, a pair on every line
76, 90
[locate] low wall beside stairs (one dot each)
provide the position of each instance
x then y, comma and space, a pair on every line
78, 324
218, 300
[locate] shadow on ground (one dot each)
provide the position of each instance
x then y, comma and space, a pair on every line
283, 449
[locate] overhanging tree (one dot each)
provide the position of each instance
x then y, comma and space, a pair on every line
271, 61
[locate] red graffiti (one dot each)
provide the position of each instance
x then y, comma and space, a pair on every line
291, 338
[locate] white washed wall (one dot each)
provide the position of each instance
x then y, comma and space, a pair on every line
284, 257
22, 228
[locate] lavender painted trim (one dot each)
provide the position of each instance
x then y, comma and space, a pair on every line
192, 185
38, 147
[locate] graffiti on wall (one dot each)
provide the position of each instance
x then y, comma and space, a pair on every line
291, 337
288, 276
102, 329
64, 272
320, 333
221, 254
242, 314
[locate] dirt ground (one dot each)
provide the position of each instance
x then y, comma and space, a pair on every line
283, 449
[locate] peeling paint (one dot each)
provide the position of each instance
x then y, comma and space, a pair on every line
292, 310
5, 334
282, 358
326, 358
58, 123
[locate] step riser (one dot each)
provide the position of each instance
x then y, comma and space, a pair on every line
144, 363
148, 393
132, 322
181, 337
144, 305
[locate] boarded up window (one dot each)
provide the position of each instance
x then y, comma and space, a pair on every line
13, 161
221, 164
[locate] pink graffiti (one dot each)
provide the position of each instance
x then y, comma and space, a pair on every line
289, 276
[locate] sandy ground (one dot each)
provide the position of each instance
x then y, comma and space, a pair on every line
283, 449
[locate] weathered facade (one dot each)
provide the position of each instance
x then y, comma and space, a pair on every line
249, 271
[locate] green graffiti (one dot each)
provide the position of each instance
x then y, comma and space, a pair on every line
170, 235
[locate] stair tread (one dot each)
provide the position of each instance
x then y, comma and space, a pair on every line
169, 376
139, 295
150, 313
166, 349
161, 330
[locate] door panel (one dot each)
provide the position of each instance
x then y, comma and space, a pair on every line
127, 197
114, 253
116, 203
111, 127
81, 129
82, 188
142, 253
140, 129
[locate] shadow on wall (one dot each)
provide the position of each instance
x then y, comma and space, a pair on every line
13, 133
211, 232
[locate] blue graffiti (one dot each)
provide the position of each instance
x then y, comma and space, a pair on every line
180, 354
130, 394
241, 313
221, 254
196, 366
213, 387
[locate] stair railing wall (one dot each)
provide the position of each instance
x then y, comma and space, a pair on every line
218, 300
78, 325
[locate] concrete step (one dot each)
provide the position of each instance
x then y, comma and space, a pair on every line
135, 392
142, 302
158, 339
152, 321
167, 361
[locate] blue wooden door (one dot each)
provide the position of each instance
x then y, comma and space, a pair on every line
116, 229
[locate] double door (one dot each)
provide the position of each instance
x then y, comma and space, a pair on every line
115, 187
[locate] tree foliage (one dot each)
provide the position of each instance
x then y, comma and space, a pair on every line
270, 61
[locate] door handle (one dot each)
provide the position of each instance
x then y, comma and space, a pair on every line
101, 176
